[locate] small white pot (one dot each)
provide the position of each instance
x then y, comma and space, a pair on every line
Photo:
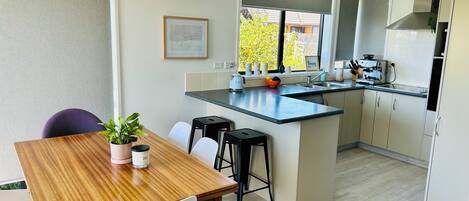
248, 70
256, 69
265, 69
141, 156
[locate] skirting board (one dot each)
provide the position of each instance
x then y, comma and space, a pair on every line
347, 147
384, 152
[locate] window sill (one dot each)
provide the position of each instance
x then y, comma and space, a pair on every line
284, 75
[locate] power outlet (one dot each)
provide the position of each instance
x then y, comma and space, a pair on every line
218, 65
230, 64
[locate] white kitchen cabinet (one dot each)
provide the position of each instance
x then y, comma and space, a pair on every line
406, 124
336, 99
368, 116
351, 103
444, 11
352, 117
426, 148
449, 178
429, 123
382, 116
399, 9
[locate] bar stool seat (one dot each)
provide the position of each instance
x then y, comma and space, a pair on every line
211, 126
244, 139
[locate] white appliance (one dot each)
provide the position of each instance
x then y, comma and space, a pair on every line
237, 82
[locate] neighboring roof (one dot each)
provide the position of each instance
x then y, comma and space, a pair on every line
297, 18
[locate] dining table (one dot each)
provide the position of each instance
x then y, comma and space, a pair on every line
78, 167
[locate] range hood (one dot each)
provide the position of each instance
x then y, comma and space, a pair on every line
416, 20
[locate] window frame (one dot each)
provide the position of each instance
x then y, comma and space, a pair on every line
281, 41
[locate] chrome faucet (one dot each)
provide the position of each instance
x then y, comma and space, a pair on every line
310, 79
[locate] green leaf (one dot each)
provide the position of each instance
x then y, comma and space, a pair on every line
126, 131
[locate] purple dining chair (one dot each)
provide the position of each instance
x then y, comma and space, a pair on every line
71, 121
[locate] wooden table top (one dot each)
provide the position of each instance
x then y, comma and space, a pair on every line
78, 167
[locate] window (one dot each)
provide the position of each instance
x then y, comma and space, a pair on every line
258, 37
260, 41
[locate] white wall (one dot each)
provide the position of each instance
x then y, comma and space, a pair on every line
371, 33
154, 86
53, 55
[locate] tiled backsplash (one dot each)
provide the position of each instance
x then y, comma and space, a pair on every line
207, 80
199, 81
412, 52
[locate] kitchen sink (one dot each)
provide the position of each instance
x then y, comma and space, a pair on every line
323, 85
329, 84
312, 86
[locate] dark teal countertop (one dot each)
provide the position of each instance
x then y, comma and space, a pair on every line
279, 105
268, 104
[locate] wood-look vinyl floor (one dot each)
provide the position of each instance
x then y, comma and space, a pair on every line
366, 176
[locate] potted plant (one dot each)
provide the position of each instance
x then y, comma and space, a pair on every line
120, 136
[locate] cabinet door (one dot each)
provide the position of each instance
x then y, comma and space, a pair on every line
352, 117
368, 116
406, 125
449, 178
382, 117
336, 99
429, 123
426, 148
444, 11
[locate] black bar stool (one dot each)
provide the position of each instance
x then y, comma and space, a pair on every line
244, 139
211, 127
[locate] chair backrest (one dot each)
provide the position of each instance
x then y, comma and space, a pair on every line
191, 198
206, 149
71, 121
180, 135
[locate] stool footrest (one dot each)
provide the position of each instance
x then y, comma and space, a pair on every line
227, 166
252, 191
260, 179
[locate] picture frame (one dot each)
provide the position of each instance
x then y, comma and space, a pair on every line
185, 37
312, 63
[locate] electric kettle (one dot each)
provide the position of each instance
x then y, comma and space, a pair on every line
237, 82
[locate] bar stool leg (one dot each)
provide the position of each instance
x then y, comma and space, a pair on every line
266, 155
222, 152
238, 178
230, 148
191, 139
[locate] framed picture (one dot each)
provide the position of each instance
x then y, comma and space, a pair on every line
312, 62
185, 37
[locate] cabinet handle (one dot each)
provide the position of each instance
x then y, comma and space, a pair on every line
437, 123
394, 105
379, 100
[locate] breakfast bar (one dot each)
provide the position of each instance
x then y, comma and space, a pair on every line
303, 138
